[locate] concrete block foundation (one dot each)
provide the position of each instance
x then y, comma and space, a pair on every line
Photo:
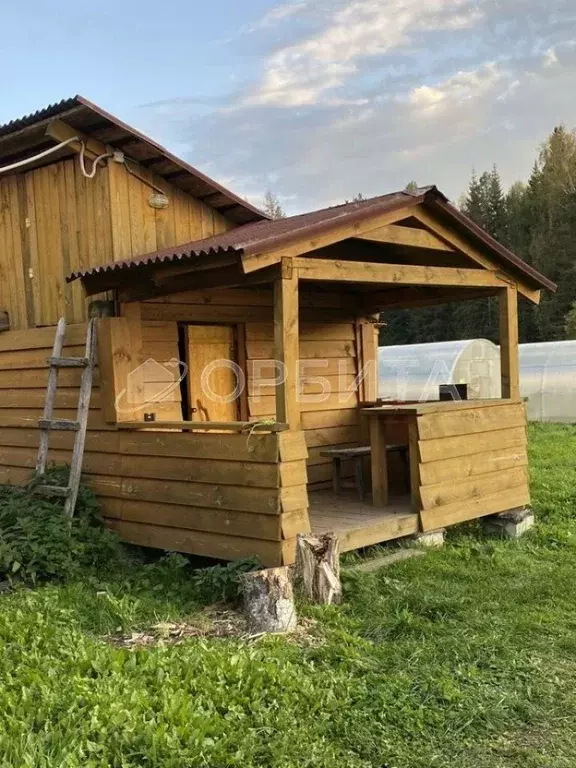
430, 539
512, 524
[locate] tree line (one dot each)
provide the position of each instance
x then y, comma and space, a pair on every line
535, 220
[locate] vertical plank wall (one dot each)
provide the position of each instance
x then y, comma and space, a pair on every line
14, 253
54, 221
136, 228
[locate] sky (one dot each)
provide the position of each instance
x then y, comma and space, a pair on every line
315, 100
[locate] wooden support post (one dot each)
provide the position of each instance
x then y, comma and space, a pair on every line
269, 600
414, 460
286, 344
369, 360
509, 342
119, 358
379, 460
317, 569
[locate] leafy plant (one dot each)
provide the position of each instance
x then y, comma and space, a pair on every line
38, 541
222, 582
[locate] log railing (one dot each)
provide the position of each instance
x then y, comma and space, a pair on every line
206, 426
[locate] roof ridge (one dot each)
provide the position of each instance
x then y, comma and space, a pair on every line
418, 192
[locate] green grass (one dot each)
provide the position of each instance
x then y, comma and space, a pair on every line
464, 658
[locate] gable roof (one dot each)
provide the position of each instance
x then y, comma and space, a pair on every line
266, 235
26, 136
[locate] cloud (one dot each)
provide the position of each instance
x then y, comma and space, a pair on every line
461, 88
300, 74
275, 16
366, 95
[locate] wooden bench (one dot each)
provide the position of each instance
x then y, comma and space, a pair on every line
356, 455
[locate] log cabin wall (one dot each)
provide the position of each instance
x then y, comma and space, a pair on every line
23, 380
329, 330
327, 420
160, 343
219, 495
234, 495
54, 221
472, 462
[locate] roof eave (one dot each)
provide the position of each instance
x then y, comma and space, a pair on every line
147, 262
534, 277
238, 209
235, 199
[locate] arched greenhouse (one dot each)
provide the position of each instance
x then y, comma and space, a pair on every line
548, 380
547, 374
415, 371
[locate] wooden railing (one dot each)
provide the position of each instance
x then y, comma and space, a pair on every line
215, 494
206, 426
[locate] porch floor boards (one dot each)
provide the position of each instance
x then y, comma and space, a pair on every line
358, 523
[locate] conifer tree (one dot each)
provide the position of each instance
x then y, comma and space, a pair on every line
537, 221
474, 205
272, 206
496, 213
552, 210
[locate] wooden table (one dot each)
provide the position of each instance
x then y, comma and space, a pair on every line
381, 419
356, 455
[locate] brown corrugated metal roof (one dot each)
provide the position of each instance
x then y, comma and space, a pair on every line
266, 235
51, 111
27, 136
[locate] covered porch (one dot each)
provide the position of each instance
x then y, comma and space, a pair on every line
304, 301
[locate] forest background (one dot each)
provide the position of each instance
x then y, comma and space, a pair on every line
537, 221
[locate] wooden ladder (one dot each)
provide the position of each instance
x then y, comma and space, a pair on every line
48, 423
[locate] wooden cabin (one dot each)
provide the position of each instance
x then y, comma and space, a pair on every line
235, 353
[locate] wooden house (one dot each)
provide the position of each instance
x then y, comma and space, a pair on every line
97, 219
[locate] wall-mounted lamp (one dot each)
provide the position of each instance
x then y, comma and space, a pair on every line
158, 200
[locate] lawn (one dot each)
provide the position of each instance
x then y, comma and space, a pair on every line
465, 658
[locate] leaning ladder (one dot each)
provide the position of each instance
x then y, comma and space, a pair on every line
48, 423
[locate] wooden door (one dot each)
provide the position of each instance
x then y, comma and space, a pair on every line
210, 384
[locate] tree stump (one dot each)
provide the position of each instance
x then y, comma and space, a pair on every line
318, 568
269, 600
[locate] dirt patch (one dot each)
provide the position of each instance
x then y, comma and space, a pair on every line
211, 623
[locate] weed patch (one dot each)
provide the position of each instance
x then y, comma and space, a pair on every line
38, 541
